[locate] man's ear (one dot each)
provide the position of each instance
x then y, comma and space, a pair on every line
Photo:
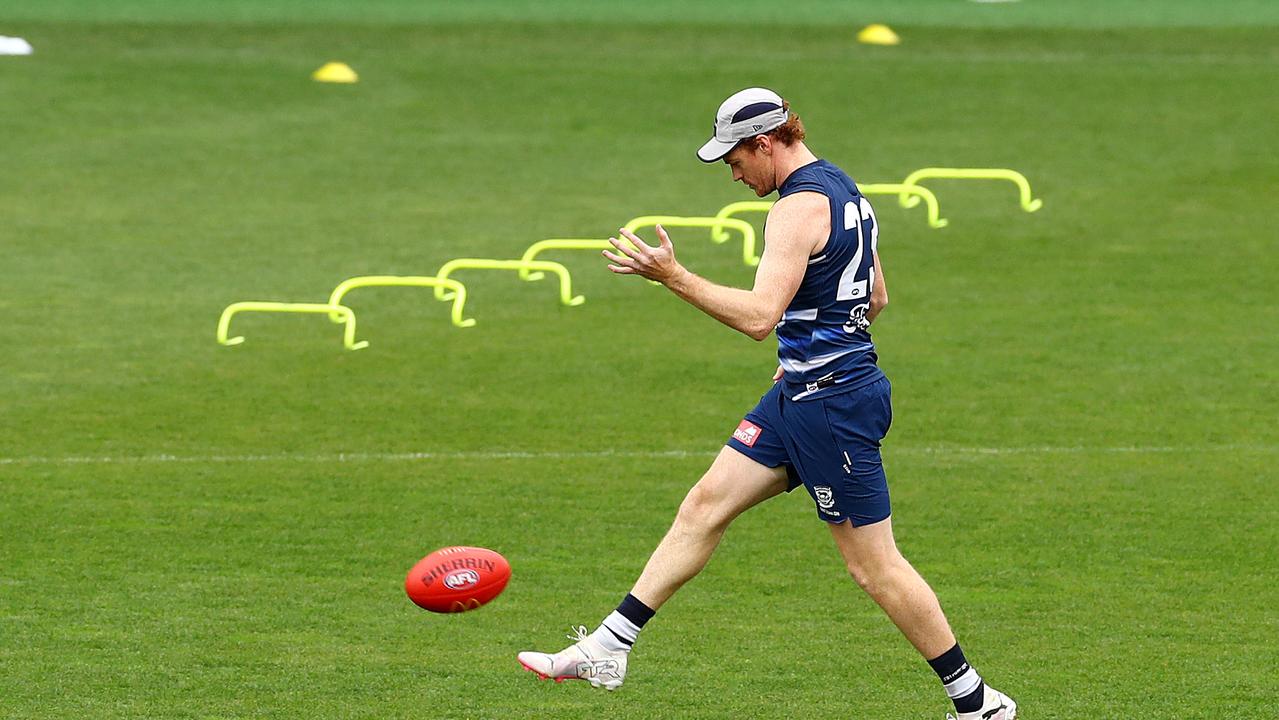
764, 144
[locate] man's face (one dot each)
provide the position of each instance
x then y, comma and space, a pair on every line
753, 166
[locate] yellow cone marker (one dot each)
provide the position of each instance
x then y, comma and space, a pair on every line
878, 34
335, 72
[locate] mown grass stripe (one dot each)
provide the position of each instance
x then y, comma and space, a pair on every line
585, 454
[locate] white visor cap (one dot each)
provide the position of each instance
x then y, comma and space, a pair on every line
744, 114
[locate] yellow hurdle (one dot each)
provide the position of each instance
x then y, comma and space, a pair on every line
921, 193
1028, 203
715, 223
717, 231
344, 314
541, 267
935, 220
458, 297
542, 246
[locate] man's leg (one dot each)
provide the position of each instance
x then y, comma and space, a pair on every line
733, 484
872, 558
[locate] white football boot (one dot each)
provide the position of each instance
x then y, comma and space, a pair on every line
585, 660
996, 706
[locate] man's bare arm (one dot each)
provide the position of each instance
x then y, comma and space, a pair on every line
879, 293
797, 224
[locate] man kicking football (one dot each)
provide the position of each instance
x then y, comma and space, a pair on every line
820, 285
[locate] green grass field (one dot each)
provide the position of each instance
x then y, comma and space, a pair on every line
1083, 454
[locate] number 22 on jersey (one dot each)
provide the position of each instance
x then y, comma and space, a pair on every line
856, 212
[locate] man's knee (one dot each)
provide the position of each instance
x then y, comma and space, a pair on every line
875, 567
704, 507
868, 576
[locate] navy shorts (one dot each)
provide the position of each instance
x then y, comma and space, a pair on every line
830, 445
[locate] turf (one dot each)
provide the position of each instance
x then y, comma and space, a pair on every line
1082, 457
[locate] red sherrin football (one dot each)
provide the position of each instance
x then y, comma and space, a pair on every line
457, 579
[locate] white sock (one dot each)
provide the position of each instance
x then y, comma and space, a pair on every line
616, 633
966, 688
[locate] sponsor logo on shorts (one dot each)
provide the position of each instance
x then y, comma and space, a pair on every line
461, 579
825, 497
747, 433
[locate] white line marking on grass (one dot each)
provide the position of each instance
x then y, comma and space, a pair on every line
1080, 449
579, 454
351, 457
1265, 62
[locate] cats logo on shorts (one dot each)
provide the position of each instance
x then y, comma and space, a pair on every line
746, 433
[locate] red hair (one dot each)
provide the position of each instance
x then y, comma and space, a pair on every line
789, 132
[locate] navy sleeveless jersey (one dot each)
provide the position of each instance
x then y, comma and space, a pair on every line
823, 344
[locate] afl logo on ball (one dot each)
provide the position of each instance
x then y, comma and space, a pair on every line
825, 498
461, 579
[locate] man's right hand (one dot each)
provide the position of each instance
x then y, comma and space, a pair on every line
777, 375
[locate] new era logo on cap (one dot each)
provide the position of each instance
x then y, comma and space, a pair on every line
746, 113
